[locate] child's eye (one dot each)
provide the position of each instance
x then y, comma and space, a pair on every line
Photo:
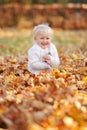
48, 38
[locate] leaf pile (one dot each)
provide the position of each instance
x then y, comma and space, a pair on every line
55, 101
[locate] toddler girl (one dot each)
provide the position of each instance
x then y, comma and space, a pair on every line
43, 55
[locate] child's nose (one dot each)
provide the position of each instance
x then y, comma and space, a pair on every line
45, 40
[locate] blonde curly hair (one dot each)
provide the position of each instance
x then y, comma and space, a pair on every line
42, 28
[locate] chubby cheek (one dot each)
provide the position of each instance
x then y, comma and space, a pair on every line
41, 42
47, 43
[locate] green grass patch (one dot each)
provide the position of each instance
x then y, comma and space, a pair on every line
18, 41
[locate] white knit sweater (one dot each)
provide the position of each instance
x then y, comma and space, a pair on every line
35, 58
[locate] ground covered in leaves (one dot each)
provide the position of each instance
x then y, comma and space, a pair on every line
56, 101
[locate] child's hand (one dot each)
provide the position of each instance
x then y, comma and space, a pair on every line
47, 58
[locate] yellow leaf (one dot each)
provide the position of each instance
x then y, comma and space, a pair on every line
52, 128
19, 98
69, 121
85, 79
83, 128
35, 126
78, 58
13, 61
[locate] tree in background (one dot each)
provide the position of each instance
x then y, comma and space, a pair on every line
42, 1
78, 1
16, 1
63, 1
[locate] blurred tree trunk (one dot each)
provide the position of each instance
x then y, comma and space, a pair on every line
63, 1
78, 1
35, 1
17, 1
55, 0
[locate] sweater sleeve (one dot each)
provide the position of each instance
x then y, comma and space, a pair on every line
35, 62
55, 61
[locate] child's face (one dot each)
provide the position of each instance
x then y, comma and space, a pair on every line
43, 39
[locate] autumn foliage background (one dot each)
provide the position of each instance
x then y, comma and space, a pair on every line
70, 16
57, 101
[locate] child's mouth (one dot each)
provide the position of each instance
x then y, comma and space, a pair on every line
44, 44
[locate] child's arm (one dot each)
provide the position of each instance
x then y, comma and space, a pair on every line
40, 65
54, 58
35, 62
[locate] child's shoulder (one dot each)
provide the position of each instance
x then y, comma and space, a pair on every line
52, 45
34, 48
